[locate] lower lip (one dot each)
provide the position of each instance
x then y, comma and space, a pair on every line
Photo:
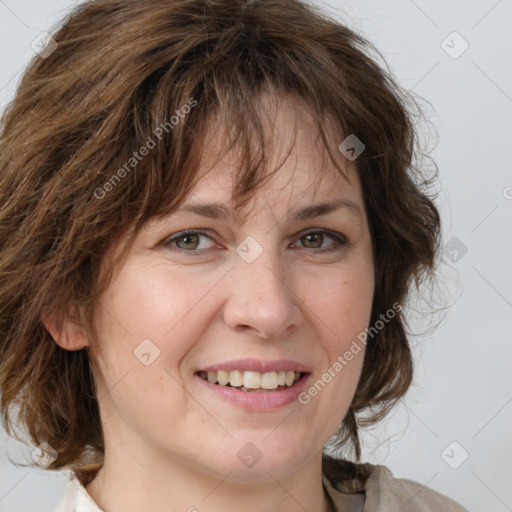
257, 401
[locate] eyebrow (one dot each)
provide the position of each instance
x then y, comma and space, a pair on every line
221, 212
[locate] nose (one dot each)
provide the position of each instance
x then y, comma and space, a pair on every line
262, 301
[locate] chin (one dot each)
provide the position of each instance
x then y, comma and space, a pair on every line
254, 458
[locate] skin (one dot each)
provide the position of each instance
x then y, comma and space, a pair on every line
170, 445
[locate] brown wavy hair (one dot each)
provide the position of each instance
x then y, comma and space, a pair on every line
122, 69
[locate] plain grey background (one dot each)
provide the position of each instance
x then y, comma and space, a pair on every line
453, 431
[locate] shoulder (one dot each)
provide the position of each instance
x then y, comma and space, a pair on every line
385, 493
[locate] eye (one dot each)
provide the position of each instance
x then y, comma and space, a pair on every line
187, 240
190, 241
315, 239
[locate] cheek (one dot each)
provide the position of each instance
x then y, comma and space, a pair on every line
157, 303
145, 317
341, 302
342, 313
340, 307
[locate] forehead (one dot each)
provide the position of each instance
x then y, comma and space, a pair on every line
296, 161
295, 185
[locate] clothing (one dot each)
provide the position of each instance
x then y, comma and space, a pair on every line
382, 492
352, 487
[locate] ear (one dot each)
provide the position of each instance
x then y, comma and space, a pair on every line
68, 333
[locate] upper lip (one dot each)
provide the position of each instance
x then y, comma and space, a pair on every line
258, 365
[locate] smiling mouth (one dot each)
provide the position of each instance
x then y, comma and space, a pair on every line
253, 382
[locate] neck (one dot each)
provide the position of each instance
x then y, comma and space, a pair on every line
130, 482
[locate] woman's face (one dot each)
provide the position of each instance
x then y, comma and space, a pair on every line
280, 291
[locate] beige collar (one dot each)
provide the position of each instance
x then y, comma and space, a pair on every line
346, 502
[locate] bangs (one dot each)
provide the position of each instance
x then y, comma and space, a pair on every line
257, 149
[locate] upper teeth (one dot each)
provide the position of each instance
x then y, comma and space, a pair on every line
253, 380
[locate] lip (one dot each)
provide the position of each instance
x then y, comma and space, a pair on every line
260, 401
257, 365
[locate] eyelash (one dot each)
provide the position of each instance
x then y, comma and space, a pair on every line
340, 241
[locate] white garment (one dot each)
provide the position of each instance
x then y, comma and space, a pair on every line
76, 498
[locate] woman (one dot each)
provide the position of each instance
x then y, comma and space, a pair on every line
210, 222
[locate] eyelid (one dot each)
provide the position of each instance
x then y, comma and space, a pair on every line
340, 240
166, 242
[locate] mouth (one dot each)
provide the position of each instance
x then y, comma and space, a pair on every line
253, 381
